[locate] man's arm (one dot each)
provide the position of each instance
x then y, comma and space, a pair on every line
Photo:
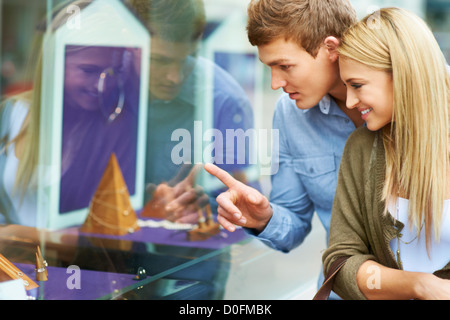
281, 224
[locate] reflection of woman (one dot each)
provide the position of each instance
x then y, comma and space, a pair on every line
89, 135
391, 214
99, 118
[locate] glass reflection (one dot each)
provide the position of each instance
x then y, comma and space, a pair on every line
101, 90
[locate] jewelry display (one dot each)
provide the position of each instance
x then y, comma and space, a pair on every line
110, 210
166, 224
41, 267
141, 274
109, 72
206, 227
9, 271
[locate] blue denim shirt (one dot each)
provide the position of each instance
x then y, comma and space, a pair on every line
311, 143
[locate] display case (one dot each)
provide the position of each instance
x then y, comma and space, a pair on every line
159, 263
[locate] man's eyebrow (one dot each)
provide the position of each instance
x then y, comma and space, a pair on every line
277, 62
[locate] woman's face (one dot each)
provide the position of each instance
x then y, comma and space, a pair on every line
370, 91
83, 69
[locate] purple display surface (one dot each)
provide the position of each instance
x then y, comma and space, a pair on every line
60, 284
98, 284
160, 235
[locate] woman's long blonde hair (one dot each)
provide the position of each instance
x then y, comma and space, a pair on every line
417, 140
25, 176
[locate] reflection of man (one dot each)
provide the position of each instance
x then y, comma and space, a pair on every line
176, 84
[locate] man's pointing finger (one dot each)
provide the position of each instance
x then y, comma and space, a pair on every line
220, 174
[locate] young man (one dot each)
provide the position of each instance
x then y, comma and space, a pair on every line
297, 39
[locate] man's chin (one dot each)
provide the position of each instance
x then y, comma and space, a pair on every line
302, 105
164, 97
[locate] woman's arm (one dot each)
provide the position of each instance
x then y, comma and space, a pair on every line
379, 282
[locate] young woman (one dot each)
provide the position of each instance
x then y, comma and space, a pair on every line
391, 215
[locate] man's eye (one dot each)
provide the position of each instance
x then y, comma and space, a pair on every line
356, 85
285, 67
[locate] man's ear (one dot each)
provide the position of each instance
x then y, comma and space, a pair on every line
332, 44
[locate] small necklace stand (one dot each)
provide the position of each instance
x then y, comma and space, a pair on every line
41, 267
9, 271
206, 228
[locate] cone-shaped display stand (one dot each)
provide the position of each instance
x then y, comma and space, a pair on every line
110, 210
41, 273
41, 266
8, 271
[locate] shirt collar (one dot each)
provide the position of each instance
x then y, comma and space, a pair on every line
324, 105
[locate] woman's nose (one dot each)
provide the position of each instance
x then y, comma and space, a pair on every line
352, 100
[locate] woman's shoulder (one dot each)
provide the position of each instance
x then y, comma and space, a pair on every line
363, 134
362, 138
12, 114
15, 105
360, 146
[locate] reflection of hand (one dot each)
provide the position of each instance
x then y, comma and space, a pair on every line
181, 201
240, 204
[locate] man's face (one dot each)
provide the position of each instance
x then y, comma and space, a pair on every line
170, 65
304, 78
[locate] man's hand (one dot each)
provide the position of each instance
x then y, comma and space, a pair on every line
240, 204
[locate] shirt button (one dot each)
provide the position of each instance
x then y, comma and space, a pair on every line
311, 170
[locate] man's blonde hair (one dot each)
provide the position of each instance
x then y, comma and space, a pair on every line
417, 141
307, 22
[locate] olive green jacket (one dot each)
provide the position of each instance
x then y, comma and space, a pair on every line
358, 227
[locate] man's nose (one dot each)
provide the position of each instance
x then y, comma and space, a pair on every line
175, 74
277, 81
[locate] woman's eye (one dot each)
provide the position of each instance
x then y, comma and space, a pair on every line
284, 67
356, 85
90, 69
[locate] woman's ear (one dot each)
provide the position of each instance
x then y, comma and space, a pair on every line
332, 44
